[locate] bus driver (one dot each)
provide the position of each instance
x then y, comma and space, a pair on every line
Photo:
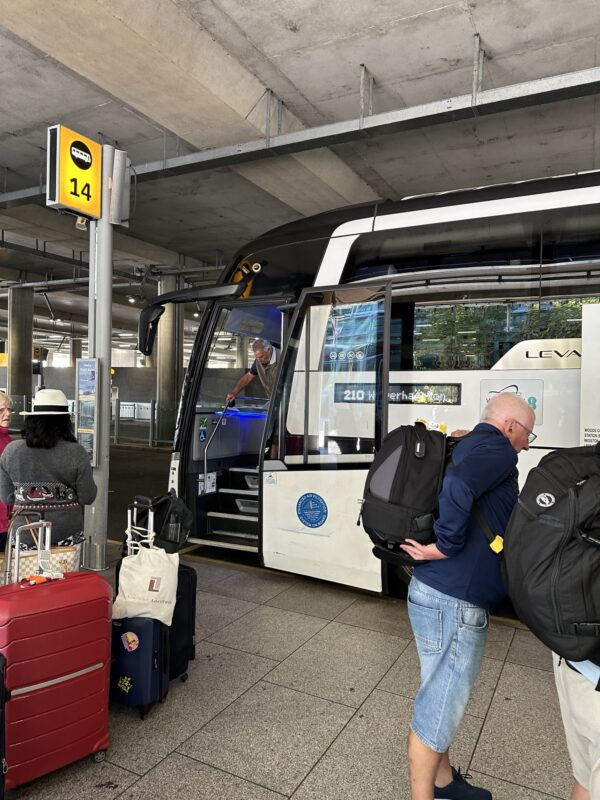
266, 359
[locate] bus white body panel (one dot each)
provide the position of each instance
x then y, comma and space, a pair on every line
525, 204
345, 235
338, 550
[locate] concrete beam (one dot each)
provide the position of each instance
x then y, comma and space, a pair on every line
45, 225
491, 101
198, 90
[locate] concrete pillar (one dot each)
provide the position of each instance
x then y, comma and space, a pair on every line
20, 341
75, 351
169, 363
241, 355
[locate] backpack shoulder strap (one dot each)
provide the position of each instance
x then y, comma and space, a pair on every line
495, 541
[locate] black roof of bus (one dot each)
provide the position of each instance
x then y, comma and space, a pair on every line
323, 225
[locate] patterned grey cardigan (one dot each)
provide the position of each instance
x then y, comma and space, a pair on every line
57, 482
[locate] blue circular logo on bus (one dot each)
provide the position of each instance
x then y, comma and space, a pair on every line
311, 510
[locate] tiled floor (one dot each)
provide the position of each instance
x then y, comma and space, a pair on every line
303, 689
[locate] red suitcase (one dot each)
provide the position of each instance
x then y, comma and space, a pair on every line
56, 641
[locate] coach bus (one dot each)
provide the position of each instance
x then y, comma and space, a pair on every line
381, 314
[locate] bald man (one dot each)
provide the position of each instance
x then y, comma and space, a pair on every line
458, 584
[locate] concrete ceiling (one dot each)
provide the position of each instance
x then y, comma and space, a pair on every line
166, 78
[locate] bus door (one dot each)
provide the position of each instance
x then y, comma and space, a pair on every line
227, 443
329, 404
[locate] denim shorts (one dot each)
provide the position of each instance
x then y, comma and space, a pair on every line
450, 635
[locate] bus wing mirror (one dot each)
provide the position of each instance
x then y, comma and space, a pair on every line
149, 316
147, 327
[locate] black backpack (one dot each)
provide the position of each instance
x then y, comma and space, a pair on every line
172, 520
400, 498
552, 552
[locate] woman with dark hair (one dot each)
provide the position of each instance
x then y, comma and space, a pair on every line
47, 471
6, 410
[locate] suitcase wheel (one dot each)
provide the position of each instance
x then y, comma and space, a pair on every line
99, 756
183, 678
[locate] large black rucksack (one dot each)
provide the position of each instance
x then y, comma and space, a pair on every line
401, 490
552, 552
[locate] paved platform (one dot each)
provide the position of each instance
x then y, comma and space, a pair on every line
303, 689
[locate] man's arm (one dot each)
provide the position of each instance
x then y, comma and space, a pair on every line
243, 382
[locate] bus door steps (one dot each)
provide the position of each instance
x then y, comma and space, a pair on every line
240, 501
244, 477
232, 528
227, 542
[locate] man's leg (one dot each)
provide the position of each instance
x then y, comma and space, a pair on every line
580, 711
579, 793
423, 763
450, 637
444, 774
427, 767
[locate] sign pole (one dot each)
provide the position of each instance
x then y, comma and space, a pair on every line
92, 290
91, 181
97, 519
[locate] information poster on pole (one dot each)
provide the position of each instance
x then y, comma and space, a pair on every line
87, 406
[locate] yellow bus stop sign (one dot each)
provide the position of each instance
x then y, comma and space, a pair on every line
74, 172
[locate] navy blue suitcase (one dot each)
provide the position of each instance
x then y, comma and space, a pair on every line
183, 634
140, 668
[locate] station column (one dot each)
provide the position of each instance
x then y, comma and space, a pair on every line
74, 351
169, 363
20, 340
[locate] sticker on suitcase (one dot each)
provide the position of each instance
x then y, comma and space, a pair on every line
125, 684
130, 641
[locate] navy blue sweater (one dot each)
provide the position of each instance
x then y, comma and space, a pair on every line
483, 472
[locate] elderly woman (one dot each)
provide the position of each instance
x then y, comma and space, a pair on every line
47, 471
6, 410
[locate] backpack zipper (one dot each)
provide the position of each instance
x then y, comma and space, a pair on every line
360, 512
557, 562
553, 481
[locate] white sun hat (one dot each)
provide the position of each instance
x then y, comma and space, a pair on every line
48, 402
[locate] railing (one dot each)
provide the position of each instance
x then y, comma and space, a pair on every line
148, 422
131, 421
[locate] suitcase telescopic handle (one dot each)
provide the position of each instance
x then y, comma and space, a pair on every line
140, 503
31, 527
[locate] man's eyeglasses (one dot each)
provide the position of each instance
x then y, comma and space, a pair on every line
531, 436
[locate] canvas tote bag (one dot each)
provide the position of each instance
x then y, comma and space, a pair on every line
148, 585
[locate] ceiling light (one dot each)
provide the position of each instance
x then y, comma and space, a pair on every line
131, 298
196, 314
